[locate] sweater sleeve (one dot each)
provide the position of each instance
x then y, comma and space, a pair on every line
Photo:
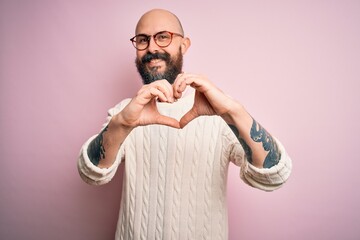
267, 179
92, 174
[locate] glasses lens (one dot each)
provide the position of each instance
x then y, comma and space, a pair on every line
163, 39
141, 41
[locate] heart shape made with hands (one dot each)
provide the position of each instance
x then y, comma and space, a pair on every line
177, 121
201, 106
207, 98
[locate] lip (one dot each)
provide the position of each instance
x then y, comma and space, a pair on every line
155, 64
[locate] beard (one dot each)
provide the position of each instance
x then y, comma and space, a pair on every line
172, 70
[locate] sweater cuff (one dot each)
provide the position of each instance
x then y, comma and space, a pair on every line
268, 179
93, 174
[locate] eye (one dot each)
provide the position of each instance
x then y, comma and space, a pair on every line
162, 36
141, 39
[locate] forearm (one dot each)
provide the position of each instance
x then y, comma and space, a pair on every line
260, 147
103, 149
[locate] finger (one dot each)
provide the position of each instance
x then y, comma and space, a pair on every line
169, 91
165, 87
183, 84
188, 117
198, 82
185, 80
177, 83
156, 93
167, 121
178, 77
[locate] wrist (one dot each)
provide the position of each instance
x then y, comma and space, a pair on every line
118, 122
236, 112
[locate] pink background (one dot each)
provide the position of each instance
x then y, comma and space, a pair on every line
294, 64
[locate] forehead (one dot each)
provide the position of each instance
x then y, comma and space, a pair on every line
157, 21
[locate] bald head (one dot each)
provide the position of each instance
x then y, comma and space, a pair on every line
158, 20
156, 62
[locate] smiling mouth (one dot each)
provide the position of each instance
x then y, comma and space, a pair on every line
155, 64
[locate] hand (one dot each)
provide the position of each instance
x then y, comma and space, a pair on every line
142, 108
209, 100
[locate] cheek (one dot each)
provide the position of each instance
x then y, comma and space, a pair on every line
139, 54
173, 49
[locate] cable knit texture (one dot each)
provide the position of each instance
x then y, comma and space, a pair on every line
175, 179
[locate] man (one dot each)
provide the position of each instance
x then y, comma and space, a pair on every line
176, 149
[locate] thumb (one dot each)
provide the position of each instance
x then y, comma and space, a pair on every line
168, 121
188, 117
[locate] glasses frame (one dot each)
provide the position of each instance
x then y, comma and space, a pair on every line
148, 38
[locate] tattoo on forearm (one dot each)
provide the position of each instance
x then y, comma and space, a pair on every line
259, 134
96, 150
246, 147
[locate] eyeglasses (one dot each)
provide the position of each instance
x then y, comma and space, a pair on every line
162, 39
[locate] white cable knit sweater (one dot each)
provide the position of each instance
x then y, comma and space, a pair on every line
175, 179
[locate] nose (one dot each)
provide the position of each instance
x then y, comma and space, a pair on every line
153, 47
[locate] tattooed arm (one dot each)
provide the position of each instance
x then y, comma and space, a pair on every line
96, 150
103, 149
140, 111
261, 149
259, 135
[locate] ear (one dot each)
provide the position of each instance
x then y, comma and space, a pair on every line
185, 45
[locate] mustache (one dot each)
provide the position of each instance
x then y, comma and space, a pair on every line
151, 56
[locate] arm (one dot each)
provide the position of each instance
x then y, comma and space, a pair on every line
140, 111
103, 149
259, 145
